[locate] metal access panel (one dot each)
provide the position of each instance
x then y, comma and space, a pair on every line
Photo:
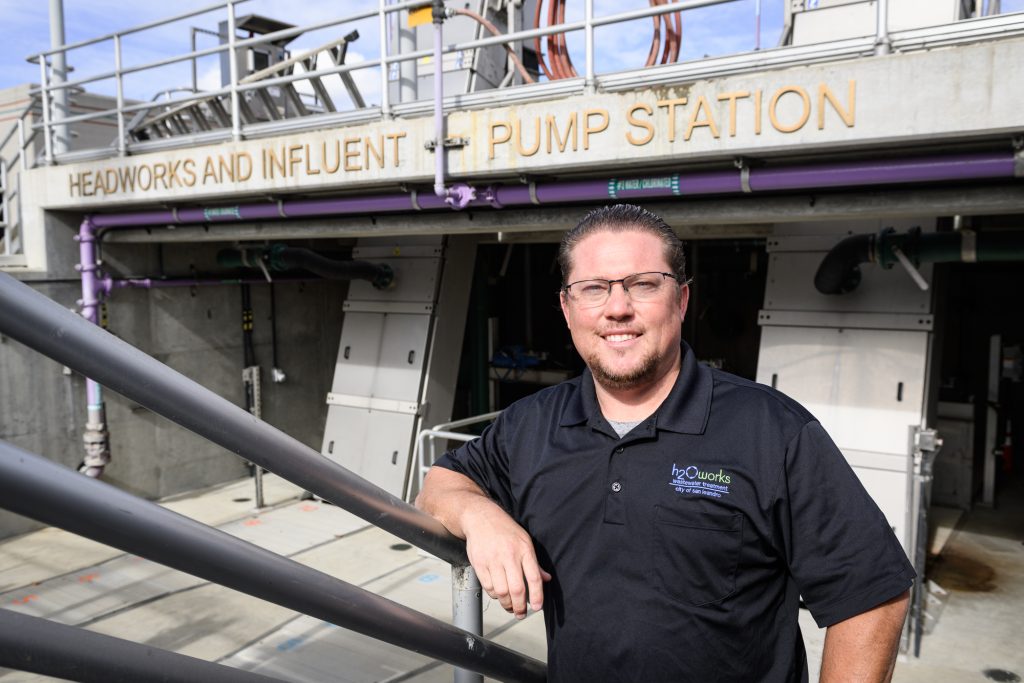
864, 386
397, 356
859, 362
381, 355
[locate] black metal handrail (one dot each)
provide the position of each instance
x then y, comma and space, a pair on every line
45, 647
39, 488
35, 487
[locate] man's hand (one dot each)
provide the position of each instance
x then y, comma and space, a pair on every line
500, 550
502, 554
863, 648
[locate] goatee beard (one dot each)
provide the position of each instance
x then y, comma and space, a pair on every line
641, 374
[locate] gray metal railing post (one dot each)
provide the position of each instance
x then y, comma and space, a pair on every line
5, 223
467, 612
194, 65
45, 95
121, 142
883, 44
21, 143
59, 74
588, 19
385, 95
236, 124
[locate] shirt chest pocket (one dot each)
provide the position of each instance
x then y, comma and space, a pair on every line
697, 553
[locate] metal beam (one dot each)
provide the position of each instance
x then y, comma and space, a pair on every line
46, 326
52, 649
33, 486
733, 217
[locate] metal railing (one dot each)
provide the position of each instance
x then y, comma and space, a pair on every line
38, 488
424, 452
236, 123
237, 126
12, 251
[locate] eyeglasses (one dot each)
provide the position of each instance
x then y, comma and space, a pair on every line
639, 287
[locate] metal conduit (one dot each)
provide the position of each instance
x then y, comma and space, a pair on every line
76, 654
42, 324
33, 486
742, 180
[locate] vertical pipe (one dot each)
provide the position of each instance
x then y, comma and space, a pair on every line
883, 45
45, 94
439, 189
467, 612
121, 142
87, 266
236, 124
385, 96
588, 9
59, 71
95, 438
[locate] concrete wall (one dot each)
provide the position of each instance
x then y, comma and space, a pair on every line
197, 332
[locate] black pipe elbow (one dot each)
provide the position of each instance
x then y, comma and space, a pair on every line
839, 271
379, 275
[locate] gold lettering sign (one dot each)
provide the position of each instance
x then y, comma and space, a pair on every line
532, 131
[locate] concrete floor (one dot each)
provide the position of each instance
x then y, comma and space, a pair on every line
56, 575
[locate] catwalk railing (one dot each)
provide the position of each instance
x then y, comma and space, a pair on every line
12, 248
38, 488
227, 112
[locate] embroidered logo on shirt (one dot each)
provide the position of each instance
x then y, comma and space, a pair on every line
694, 480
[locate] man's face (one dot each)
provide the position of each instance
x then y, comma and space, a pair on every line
625, 343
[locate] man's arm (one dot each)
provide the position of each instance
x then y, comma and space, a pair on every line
863, 648
500, 550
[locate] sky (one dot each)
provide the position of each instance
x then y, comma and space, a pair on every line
723, 29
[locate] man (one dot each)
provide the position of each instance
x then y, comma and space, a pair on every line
669, 517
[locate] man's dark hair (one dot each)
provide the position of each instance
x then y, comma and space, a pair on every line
623, 218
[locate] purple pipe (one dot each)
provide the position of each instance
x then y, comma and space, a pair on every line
806, 177
95, 436
91, 290
109, 284
439, 189
920, 170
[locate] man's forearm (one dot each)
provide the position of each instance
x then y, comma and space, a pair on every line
449, 497
864, 647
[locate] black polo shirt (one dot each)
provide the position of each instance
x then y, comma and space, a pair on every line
679, 551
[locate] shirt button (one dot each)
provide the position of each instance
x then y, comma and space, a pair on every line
616, 486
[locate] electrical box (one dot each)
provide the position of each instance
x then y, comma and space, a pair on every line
821, 21
253, 58
465, 71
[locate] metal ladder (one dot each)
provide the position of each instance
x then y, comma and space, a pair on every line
255, 105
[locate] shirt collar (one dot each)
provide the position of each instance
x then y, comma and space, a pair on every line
685, 410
